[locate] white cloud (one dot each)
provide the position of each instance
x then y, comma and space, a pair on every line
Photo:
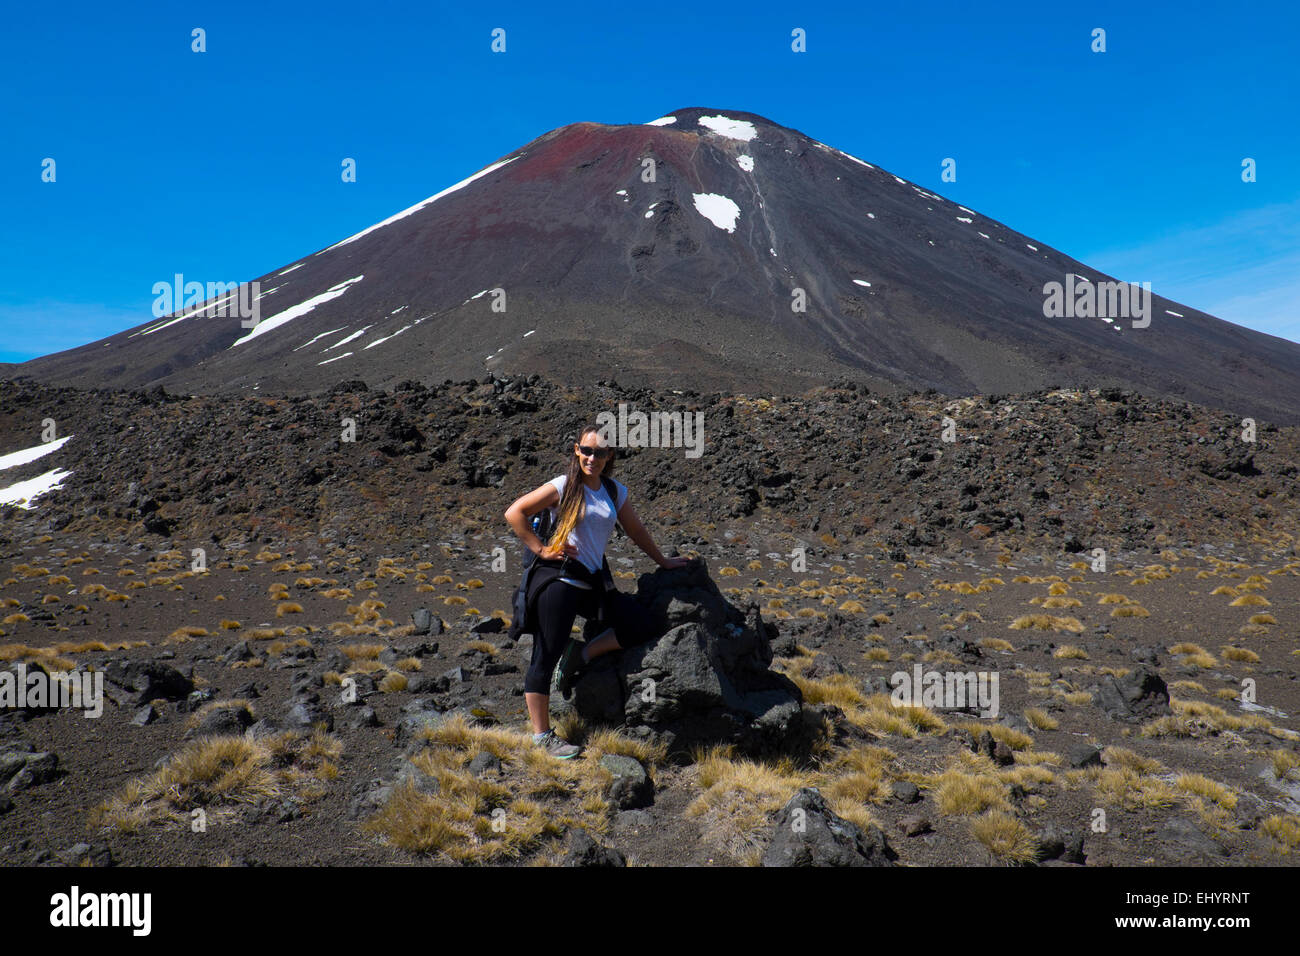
1245, 268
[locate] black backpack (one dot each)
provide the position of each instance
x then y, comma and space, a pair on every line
543, 527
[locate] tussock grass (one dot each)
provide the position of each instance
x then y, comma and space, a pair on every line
1283, 829
1123, 758
1240, 654
1040, 719
1202, 786
1284, 761
968, 616
1129, 789
1013, 738
1193, 718
536, 800
738, 797
1070, 652
1037, 757
996, 644
1262, 619
1130, 610
222, 775
958, 793
1053, 603
1251, 600
875, 712
1005, 837
1046, 622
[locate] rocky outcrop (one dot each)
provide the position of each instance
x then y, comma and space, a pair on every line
705, 679
808, 833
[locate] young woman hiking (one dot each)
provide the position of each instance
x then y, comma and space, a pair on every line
576, 557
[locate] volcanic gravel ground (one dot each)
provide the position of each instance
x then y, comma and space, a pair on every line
901, 532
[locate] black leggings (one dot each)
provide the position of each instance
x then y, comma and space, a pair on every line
557, 606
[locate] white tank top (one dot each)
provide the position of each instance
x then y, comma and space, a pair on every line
592, 533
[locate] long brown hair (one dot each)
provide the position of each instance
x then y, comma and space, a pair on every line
573, 503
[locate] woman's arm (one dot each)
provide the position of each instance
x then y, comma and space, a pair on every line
525, 507
631, 523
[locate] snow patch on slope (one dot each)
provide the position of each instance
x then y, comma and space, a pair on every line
387, 337
321, 336
420, 205
302, 308
346, 339
22, 457
719, 210
23, 493
742, 130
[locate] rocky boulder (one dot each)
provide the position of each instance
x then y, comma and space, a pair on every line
808, 833
706, 678
1141, 694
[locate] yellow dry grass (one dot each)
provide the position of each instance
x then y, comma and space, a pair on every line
221, 775
1046, 622
473, 819
1004, 836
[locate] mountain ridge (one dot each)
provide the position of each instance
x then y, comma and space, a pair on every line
688, 281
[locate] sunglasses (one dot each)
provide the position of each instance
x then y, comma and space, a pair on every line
595, 452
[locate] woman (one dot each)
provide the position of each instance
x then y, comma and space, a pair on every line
568, 579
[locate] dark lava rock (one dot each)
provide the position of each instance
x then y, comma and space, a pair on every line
222, 721
906, 792
302, 713
631, 788
585, 851
23, 768
914, 825
1058, 844
151, 680
707, 678
485, 763
807, 833
1140, 694
1184, 838
1083, 754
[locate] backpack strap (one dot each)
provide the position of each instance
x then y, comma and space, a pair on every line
611, 489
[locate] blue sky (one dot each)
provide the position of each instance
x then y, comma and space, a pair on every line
225, 165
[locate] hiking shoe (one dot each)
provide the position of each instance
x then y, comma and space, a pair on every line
557, 746
566, 671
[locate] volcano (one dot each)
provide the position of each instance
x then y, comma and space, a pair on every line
708, 249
